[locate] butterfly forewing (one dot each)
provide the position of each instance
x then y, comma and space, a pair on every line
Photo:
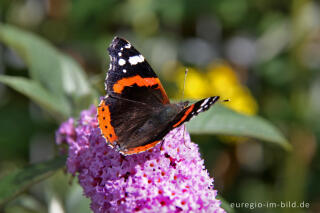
194, 109
131, 77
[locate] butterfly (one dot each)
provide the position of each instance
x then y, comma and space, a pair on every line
136, 113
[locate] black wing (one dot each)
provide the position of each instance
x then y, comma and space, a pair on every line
131, 77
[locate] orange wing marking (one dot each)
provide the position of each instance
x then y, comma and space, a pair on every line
104, 120
119, 86
184, 116
140, 149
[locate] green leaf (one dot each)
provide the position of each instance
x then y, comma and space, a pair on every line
221, 120
225, 205
18, 181
32, 89
41, 58
75, 84
55, 71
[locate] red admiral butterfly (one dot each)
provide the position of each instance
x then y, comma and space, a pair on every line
136, 113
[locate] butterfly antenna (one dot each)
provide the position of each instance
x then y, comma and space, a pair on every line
184, 86
184, 82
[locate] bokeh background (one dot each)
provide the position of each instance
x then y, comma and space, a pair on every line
262, 55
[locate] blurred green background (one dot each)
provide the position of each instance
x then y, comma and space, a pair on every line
263, 55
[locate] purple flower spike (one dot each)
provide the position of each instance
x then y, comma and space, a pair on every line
172, 179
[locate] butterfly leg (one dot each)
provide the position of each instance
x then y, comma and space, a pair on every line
184, 141
122, 158
162, 141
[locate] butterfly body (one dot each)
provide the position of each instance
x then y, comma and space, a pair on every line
136, 113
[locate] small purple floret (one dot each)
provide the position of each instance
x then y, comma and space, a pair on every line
172, 179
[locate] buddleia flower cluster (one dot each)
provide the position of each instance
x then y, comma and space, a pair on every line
171, 177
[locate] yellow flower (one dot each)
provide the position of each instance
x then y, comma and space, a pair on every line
196, 85
223, 81
220, 80
243, 102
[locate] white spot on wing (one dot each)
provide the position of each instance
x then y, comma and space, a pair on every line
133, 60
124, 70
128, 46
119, 54
205, 102
121, 62
105, 82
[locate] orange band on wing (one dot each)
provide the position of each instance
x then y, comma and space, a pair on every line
139, 149
184, 116
125, 82
104, 120
141, 82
